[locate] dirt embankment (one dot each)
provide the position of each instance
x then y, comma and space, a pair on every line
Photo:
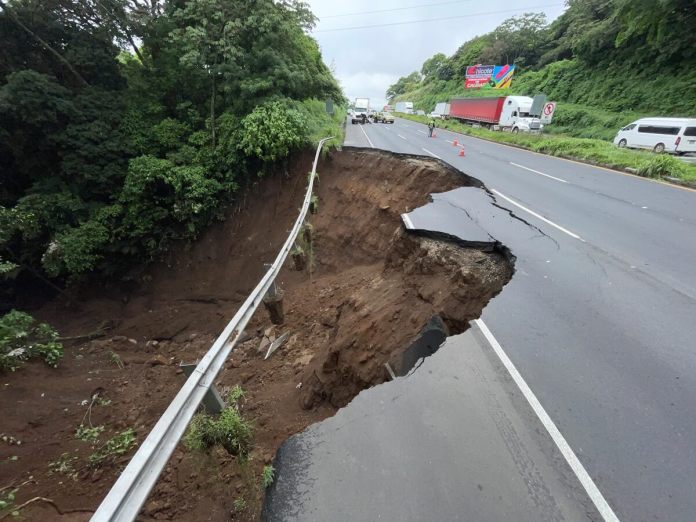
372, 286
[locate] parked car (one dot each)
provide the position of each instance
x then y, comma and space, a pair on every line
386, 117
674, 135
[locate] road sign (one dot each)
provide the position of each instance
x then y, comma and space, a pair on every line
547, 114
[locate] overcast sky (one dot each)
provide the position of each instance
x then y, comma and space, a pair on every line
366, 61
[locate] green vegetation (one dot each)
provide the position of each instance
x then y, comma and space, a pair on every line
64, 465
7, 502
128, 125
229, 429
118, 445
267, 476
239, 504
88, 433
592, 59
23, 338
116, 359
589, 150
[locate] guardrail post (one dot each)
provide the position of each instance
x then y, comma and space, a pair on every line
212, 401
273, 301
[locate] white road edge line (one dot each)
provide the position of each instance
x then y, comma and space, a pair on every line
580, 472
422, 132
400, 136
431, 153
559, 227
407, 222
537, 172
368, 138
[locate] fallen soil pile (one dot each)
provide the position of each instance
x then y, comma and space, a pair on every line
368, 289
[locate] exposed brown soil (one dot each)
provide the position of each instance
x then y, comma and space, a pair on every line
371, 289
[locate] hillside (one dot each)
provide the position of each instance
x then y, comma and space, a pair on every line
128, 125
607, 63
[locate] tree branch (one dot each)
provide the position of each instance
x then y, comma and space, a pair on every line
45, 44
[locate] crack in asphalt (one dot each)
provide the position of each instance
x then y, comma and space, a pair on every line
505, 209
515, 216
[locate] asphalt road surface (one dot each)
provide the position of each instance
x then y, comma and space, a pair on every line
599, 319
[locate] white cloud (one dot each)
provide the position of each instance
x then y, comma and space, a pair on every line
367, 61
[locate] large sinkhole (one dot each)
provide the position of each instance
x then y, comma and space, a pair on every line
365, 304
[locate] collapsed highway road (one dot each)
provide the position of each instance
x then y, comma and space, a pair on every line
598, 321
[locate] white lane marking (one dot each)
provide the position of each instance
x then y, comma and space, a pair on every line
559, 227
537, 172
407, 221
422, 132
431, 153
368, 138
400, 136
449, 141
580, 472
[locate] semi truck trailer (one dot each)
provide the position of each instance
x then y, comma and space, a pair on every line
504, 112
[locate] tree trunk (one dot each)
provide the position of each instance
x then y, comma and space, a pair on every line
212, 110
45, 44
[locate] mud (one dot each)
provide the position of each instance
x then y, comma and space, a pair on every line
367, 291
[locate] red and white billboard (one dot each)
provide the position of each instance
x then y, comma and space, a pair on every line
489, 76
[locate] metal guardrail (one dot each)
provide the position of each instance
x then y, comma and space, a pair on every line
128, 494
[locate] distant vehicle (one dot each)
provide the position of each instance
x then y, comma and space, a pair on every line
386, 117
441, 110
404, 107
503, 112
361, 109
675, 135
387, 108
420, 112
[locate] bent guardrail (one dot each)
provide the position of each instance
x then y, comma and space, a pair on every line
128, 494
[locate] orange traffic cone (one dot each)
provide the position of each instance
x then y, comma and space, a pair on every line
461, 152
434, 134
455, 143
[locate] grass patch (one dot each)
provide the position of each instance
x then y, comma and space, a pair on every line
229, 429
593, 151
267, 476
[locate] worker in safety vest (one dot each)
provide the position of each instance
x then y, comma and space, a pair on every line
431, 128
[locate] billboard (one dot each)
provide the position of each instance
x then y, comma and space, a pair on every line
489, 76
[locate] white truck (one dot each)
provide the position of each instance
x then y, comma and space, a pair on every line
404, 107
361, 110
441, 110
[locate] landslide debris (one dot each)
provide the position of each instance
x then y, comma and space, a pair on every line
368, 289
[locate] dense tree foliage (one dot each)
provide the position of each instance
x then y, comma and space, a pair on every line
127, 124
620, 55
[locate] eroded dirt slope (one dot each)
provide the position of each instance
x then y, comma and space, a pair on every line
371, 288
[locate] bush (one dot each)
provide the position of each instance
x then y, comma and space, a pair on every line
22, 338
162, 201
229, 429
271, 131
663, 165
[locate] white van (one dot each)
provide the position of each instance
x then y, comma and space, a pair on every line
676, 135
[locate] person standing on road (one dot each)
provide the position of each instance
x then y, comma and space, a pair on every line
431, 128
